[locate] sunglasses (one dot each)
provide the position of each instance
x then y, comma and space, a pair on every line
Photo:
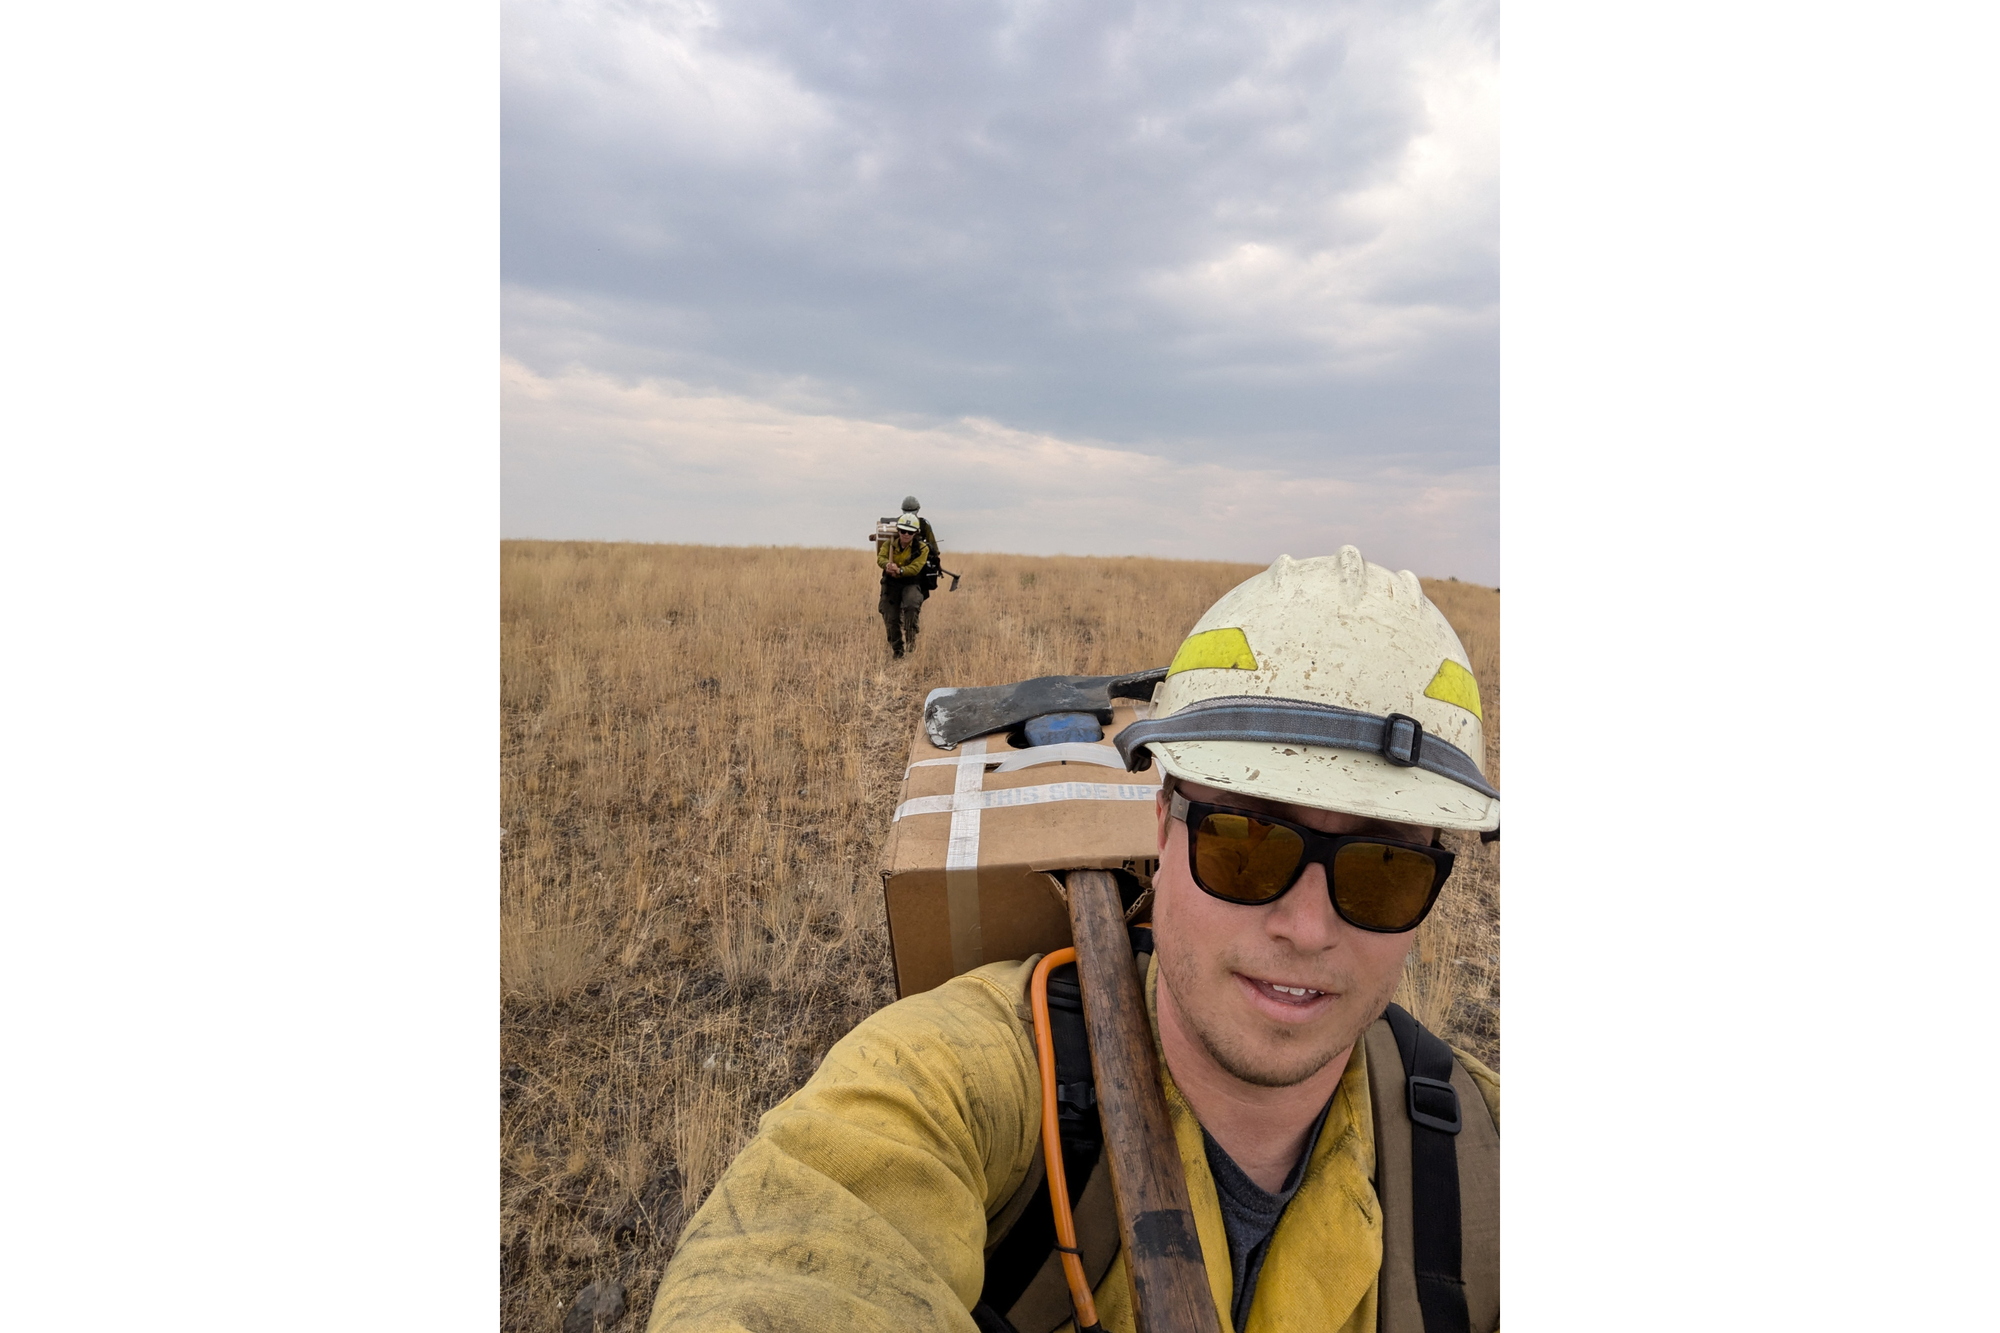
1376, 883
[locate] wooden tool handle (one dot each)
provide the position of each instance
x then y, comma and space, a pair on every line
1162, 1252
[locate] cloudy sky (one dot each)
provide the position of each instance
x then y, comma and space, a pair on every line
1206, 280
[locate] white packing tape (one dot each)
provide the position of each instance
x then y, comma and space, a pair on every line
969, 801
961, 859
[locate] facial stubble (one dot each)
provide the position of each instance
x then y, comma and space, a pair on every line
1236, 1058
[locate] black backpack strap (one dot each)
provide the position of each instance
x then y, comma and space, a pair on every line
1025, 1290
1435, 1121
1013, 1263
988, 1320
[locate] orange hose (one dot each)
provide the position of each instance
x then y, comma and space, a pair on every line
1045, 1054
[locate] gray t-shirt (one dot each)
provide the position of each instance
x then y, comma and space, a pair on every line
1250, 1214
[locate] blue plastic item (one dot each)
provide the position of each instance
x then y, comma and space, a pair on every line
1056, 728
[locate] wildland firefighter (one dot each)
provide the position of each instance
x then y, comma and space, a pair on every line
903, 559
1316, 730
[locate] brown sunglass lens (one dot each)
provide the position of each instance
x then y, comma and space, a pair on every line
1381, 886
1245, 858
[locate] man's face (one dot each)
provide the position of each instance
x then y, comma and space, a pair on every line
1221, 963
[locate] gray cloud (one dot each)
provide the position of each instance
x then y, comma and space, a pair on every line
1265, 232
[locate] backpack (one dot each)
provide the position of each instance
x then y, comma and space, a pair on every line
935, 564
1434, 1141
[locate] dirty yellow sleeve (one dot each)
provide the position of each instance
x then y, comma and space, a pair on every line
862, 1201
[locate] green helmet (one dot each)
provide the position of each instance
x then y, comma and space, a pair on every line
910, 505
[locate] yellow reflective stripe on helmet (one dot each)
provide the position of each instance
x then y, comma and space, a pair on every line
1453, 684
1225, 648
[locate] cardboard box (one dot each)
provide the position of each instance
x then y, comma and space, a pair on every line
964, 871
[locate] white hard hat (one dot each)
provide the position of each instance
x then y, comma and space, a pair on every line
909, 523
1329, 683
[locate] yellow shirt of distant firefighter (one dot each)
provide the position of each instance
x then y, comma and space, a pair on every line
891, 556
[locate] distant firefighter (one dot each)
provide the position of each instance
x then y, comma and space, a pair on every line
903, 559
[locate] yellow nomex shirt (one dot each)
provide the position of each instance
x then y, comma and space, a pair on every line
903, 567
863, 1201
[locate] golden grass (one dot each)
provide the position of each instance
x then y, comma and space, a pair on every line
700, 751
546, 963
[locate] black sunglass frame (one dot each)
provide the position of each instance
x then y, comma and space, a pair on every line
1319, 848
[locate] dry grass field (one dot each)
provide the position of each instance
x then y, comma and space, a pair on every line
700, 751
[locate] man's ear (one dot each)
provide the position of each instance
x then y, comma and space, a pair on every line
1160, 803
